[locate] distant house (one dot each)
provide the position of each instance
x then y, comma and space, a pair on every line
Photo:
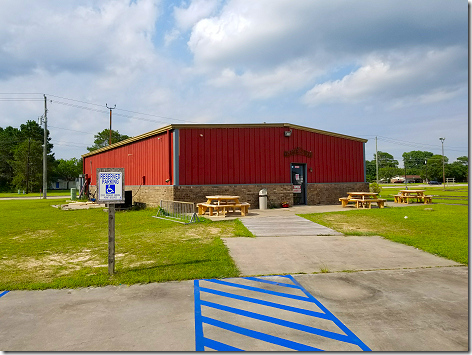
409, 179
60, 184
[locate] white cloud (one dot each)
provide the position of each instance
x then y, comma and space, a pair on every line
397, 80
171, 36
353, 87
265, 85
84, 38
264, 33
185, 18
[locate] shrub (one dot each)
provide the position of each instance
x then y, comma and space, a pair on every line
374, 187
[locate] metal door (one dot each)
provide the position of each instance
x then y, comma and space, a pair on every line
299, 183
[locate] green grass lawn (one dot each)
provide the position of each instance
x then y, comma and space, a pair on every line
44, 247
457, 194
442, 231
35, 194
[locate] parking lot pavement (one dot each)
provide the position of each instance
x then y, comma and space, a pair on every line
399, 310
384, 310
152, 317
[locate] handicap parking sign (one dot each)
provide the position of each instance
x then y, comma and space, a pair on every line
110, 185
109, 189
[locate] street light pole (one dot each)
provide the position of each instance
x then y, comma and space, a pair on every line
426, 175
444, 175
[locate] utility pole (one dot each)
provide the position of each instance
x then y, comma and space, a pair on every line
111, 108
376, 161
444, 175
28, 165
45, 149
406, 182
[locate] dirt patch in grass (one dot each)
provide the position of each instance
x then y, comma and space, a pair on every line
45, 233
52, 263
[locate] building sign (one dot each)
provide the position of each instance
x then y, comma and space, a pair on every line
298, 151
110, 185
297, 189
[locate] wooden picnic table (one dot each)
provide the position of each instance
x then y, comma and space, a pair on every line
406, 195
362, 199
222, 204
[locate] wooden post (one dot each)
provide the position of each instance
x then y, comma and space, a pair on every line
111, 238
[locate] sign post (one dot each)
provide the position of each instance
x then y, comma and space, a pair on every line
110, 188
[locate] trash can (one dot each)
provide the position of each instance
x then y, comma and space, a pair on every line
73, 194
263, 199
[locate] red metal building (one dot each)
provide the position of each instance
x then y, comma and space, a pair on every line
187, 162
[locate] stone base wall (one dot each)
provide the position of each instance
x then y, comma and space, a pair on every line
151, 195
276, 193
317, 194
329, 194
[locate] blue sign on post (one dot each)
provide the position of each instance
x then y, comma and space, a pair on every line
110, 185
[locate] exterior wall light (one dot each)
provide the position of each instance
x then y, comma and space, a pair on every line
288, 133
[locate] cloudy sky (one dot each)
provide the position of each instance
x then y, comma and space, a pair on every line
396, 69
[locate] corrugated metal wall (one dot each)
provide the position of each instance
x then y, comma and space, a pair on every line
150, 157
256, 155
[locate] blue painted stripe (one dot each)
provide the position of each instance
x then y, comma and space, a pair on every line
198, 318
270, 282
4, 293
266, 303
284, 323
218, 346
340, 324
258, 335
287, 295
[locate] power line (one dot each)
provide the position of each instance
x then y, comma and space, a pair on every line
119, 109
68, 129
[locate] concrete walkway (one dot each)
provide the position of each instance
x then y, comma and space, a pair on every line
286, 243
285, 226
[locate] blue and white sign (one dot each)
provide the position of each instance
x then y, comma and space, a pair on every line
110, 183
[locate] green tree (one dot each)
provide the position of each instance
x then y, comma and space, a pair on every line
68, 169
459, 170
102, 138
386, 160
370, 171
389, 172
435, 167
464, 160
414, 161
27, 165
9, 139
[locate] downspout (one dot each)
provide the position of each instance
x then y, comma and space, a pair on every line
169, 180
176, 156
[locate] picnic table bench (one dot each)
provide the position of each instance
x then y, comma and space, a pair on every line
406, 195
363, 199
222, 204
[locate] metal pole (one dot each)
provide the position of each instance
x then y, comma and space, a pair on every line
404, 164
111, 108
111, 238
376, 161
426, 175
45, 149
444, 175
